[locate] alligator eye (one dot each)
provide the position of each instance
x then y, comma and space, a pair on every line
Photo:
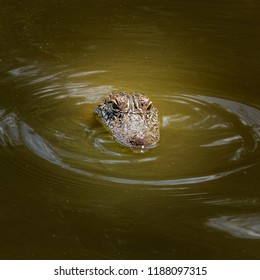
115, 106
149, 107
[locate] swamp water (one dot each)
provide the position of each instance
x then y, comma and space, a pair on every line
69, 191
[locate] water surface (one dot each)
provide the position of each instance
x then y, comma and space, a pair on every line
68, 190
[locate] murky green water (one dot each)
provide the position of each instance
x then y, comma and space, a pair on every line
69, 191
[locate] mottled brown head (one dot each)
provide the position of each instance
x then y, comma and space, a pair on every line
131, 118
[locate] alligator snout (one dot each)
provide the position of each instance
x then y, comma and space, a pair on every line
141, 140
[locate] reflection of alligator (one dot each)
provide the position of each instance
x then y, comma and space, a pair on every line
131, 118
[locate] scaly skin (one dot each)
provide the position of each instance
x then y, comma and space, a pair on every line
131, 118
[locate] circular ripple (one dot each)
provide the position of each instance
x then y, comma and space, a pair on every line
202, 138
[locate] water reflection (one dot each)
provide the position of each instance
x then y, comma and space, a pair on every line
199, 63
60, 83
9, 130
242, 226
213, 132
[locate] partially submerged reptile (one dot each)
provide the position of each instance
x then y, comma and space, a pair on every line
131, 118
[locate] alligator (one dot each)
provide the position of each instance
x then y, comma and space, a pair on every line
131, 118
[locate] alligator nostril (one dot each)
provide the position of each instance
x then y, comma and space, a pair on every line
139, 141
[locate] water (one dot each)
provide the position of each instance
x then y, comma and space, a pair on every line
69, 191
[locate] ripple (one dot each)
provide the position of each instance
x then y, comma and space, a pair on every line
241, 226
203, 139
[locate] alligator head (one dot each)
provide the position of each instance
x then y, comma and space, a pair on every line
131, 118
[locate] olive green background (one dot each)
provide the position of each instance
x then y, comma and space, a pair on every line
69, 191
